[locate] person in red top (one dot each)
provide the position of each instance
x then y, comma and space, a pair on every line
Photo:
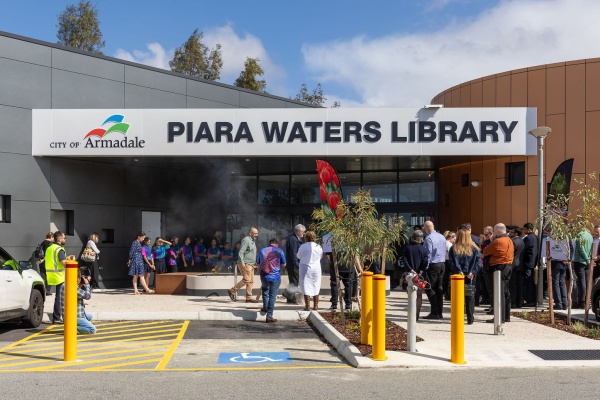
501, 252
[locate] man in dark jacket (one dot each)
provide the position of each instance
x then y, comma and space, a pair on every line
516, 279
530, 254
294, 241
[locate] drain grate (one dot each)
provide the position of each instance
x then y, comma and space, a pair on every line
557, 355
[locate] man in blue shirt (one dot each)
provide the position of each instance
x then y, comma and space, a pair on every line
270, 259
435, 244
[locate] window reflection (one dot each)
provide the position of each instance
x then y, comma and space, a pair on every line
305, 189
274, 189
272, 226
242, 190
382, 186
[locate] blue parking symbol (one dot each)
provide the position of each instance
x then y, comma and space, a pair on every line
254, 358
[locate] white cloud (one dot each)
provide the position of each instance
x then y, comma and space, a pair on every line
234, 50
156, 56
409, 70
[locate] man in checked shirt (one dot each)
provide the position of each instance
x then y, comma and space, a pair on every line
84, 292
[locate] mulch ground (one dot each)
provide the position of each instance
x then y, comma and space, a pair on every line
395, 339
560, 322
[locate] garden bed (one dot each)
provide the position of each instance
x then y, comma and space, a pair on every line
560, 322
395, 340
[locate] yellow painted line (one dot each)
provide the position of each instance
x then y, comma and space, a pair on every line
38, 346
77, 364
10, 346
146, 328
134, 323
143, 349
104, 368
186, 369
174, 346
89, 338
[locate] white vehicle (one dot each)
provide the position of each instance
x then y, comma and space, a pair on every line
22, 292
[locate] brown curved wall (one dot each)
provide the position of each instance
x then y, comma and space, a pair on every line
567, 97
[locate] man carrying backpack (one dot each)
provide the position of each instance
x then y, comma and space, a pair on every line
40, 255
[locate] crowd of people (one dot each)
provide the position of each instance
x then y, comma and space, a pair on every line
512, 250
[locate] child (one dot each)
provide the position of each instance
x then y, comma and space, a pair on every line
172, 255
186, 253
213, 254
227, 258
200, 253
149, 266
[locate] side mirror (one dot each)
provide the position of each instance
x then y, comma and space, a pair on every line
24, 265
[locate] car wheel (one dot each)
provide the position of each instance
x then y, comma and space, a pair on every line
33, 319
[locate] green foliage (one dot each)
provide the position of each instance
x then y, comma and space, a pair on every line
358, 232
353, 314
353, 327
578, 327
594, 332
247, 78
78, 27
194, 58
524, 314
315, 98
558, 186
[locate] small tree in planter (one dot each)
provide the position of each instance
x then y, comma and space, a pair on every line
567, 226
358, 233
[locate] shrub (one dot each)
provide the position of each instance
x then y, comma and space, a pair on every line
524, 314
353, 314
353, 327
594, 332
578, 327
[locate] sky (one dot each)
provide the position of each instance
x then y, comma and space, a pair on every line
395, 53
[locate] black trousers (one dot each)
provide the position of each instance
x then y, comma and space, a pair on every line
529, 288
293, 275
505, 273
57, 314
347, 278
581, 273
518, 278
435, 274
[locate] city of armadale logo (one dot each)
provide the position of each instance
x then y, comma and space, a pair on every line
97, 138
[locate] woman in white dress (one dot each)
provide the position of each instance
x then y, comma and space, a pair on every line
310, 254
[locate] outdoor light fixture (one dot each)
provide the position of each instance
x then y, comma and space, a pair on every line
474, 183
540, 133
433, 106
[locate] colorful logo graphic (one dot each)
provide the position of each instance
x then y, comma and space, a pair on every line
117, 126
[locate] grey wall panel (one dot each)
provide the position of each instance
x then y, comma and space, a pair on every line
24, 85
86, 182
249, 100
155, 80
30, 223
148, 187
194, 102
142, 97
73, 90
87, 65
24, 51
213, 92
15, 130
22, 178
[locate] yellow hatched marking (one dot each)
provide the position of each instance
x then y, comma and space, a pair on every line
110, 367
91, 338
10, 346
174, 346
77, 364
106, 353
135, 323
147, 328
38, 346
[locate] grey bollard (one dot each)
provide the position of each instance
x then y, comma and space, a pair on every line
411, 318
498, 309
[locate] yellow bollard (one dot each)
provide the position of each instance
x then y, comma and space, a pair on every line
70, 314
457, 319
366, 311
379, 318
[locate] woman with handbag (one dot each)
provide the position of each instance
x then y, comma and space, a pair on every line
88, 261
465, 260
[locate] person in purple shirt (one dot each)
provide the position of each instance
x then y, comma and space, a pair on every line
435, 244
270, 259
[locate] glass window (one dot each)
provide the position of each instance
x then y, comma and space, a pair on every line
514, 173
416, 186
272, 226
238, 226
4, 208
274, 189
305, 189
242, 190
62, 220
350, 184
382, 186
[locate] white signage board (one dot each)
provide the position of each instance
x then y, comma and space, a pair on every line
284, 132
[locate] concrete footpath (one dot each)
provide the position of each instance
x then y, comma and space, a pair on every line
482, 347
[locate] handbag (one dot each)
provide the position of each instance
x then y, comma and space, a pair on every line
88, 255
469, 290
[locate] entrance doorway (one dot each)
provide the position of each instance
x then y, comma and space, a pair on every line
151, 224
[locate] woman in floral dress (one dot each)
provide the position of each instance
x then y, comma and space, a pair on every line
136, 263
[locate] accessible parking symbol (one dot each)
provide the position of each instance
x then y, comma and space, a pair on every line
254, 358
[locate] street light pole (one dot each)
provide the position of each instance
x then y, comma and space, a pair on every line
540, 134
